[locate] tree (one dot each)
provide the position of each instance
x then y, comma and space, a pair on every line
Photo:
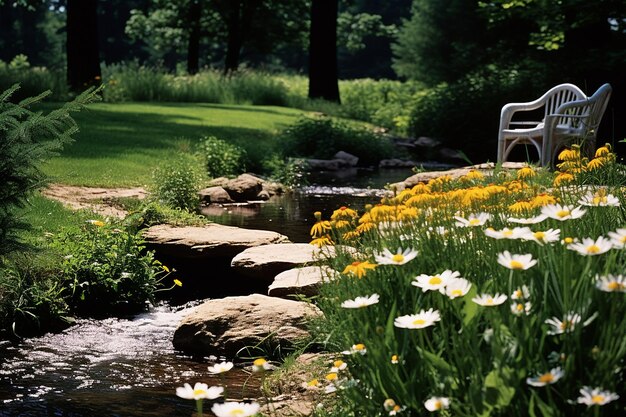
27, 139
323, 81
83, 58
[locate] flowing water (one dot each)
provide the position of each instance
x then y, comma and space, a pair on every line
128, 367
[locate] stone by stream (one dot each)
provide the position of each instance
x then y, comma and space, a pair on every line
206, 242
225, 326
300, 281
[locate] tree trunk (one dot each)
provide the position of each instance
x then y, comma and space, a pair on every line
323, 81
233, 46
193, 48
83, 59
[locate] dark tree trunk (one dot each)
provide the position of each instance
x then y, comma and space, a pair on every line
193, 48
83, 59
323, 82
234, 42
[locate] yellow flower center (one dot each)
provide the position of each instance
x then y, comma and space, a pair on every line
456, 292
259, 362
517, 265
507, 233
438, 404
237, 412
397, 258
359, 346
599, 200
419, 322
519, 293
337, 364
474, 222
546, 378
520, 307
436, 280
597, 399
394, 358
622, 239
568, 240
489, 301
199, 392
313, 383
614, 286
563, 213
539, 235
593, 249
566, 325
332, 376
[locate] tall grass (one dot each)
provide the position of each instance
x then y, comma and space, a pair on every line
555, 333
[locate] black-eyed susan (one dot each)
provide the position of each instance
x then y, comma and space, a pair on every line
359, 268
321, 227
322, 241
526, 172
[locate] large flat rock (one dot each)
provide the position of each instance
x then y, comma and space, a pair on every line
265, 262
225, 326
208, 241
300, 281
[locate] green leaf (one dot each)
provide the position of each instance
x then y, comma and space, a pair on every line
498, 392
470, 308
436, 361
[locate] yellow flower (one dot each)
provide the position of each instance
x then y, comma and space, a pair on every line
472, 175
603, 151
569, 154
525, 173
322, 241
97, 223
331, 376
563, 178
178, 283
596, 163
320, 228
165, 268
543, 199
344, 213
420, 188
313, 383
365, 227
394, 359
520, 207
359, 269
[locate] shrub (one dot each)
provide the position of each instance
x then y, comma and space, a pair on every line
465, 114
289, 172
106, 270
321, 137
176, 185
32, 80
220, 157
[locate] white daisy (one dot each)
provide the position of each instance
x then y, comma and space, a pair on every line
506, 233
235, 409
358, 348
521, 293
261, 365
487, 300
531, 220
521, 308
399, 258
516, 261
595, 396
456, 287
437, 403
549, 236
569, 322
589, 247
199, 391
599, 199
361, 302
473, 220
338, 365
611, 283
561, 213
219, 368
618, 238
419, 320
435, 282
547, 378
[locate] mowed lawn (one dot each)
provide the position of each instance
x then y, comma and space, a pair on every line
119, 145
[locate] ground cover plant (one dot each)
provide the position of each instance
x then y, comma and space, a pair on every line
499, 294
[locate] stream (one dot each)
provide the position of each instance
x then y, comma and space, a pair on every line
127, 366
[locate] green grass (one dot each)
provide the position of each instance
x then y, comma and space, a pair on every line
119, 145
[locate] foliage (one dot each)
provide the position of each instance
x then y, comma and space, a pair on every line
106, 270
289, 172
464, 114
221, 158
559, 324
32, 80
353, 28
152, 213
176, 185
322, 137
27, 140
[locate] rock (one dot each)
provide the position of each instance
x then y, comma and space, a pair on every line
396, 163
273, 188
244, 187
219, 182
208, 241
300, 281
486, 168
267, 261
263, 195
225, 326
349, 158
426, 142
214, 195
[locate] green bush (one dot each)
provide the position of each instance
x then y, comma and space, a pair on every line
220, 157
289, 172
465, 115
322, 137
176, 185
106, 270
32, 80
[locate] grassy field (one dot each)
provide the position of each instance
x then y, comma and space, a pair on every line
120, 144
